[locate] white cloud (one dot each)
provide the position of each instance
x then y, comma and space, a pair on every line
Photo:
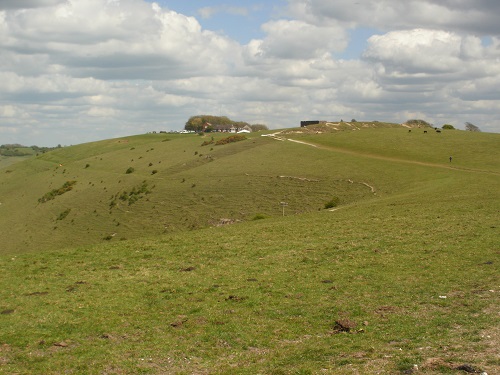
102, 112
11, 111
430, 60
122, 40
417, 51
23, 4
478, 17
210, 11
207, 12
301, 40
80, 70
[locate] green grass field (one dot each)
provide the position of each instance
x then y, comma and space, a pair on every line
403, 272
5, 161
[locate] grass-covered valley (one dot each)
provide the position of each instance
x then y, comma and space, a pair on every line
170, 254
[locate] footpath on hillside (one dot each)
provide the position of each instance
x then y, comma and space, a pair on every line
281, 137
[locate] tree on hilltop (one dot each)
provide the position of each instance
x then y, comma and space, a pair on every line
209, 123
258, 127
196, 123
471, 127
417, 123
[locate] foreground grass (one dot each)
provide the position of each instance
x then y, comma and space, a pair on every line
264, 297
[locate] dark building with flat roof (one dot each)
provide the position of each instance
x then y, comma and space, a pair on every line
313, 122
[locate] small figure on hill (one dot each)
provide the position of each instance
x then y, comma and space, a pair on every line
450, 159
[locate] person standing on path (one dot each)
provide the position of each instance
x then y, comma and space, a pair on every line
450, 159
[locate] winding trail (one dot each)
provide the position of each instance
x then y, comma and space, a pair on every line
281, 137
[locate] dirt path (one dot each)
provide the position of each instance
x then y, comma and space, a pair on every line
281, 137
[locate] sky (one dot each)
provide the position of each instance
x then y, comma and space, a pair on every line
75, 71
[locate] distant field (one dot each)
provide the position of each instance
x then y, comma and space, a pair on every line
202, 273
5, 161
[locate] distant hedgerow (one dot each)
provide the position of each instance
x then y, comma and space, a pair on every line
68, 185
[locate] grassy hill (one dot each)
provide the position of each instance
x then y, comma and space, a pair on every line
130, 273
5, 161
185, 186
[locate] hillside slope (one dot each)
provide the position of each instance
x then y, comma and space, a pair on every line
177, 184
403, 272
185, 186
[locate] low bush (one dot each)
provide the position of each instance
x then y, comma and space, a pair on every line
230, 139
334, 202
259, 217
130, 170
206, 143
138, 192
68, 185
63, 214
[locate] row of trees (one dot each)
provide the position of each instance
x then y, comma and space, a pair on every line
424, 124
17, 149
198, 123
